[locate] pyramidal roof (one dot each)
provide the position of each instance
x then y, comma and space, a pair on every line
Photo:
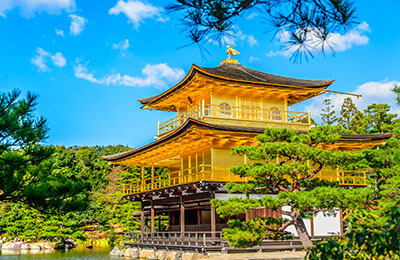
237, 73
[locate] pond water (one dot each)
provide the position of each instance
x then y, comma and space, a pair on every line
74, 254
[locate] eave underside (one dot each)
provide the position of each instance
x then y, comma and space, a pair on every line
196, 136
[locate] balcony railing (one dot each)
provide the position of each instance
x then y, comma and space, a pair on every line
222, 174
238, 113
202, 172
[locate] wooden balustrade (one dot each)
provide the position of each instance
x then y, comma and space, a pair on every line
187, 239
237, 113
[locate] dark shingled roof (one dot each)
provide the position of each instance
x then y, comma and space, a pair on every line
192, 122
238, 73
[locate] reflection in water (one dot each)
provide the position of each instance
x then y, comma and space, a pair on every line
82, 253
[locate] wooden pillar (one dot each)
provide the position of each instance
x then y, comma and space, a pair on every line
213, 217
152, 217
182, 217
159, 223
142, 221
199, 217
341, 223
312, 226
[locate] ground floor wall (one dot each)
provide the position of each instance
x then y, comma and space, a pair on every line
194, 213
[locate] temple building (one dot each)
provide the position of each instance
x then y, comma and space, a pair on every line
217, 109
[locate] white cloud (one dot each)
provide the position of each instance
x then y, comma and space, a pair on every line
42, 58
137, 11
77, 24
29, 8
336, 41
234, 36
60, 32
252, 16
58, 59
155, 75
122, 46
372, 92
254, 59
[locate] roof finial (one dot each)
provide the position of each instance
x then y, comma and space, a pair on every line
230, 51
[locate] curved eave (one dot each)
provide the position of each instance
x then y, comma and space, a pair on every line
239, 129
147, 102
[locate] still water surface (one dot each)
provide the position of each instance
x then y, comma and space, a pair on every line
75, 254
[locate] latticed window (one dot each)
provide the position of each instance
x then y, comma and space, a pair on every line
225, 110
275, 114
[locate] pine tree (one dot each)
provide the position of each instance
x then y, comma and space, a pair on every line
350, 117
377, 118
214, 20
328, 116
285, 163
26, 167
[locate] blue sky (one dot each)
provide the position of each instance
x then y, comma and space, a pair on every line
90, 63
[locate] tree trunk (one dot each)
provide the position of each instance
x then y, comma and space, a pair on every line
302, 231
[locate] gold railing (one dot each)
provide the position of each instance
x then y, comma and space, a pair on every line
205, 172
237, 113
202, 172
344, 178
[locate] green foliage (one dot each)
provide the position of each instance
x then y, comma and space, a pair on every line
26, 223
350, 117
373, 228
285, 163
367, 238
328, 116
26, 168
378, 119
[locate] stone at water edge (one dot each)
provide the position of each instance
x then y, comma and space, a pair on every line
190, 256
115, 251
25, 247
48, 247
148, 254
132, 253
36, 247
171, 255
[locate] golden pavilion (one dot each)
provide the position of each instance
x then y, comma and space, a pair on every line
217, 109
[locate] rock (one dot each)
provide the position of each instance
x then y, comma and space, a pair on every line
170, 255
25, 247
148, 254
190, 256
7, 246
36, 247
12, 246
122, 253
48, 247
115, 251
132, 253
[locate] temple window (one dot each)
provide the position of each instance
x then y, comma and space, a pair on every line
275, 114
225, 110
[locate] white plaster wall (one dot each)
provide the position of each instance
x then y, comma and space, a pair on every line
226, 196
328, 224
